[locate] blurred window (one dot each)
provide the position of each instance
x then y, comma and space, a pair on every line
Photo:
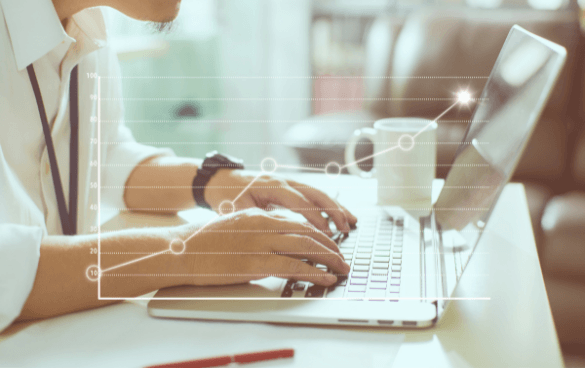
196, 18
548, 4
189, 48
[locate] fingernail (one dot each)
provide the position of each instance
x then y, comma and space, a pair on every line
347, 268
330, 278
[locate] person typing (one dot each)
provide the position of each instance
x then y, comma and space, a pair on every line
49, 48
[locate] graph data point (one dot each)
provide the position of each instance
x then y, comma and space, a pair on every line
177, 246
268, 165
406, 142
333, 169
93, 273
226, 207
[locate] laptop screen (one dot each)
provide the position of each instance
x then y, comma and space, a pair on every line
504, 118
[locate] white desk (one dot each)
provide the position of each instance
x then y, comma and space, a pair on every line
513, 329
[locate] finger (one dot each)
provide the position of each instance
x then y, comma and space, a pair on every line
287, 268
350, 216
302, 246
301, 187
244, 202
295, 201
285, 226
329, 206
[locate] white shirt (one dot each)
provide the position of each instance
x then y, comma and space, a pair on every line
32, 33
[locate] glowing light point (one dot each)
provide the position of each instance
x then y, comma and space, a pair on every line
464, 97
226, 207
177, 246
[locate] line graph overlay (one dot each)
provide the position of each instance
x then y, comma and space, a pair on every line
228, 206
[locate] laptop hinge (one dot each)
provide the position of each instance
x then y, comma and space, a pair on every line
432, 261
441, 276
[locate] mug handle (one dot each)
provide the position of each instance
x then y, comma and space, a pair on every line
368, 133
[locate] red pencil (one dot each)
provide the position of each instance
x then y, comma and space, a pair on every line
227, 359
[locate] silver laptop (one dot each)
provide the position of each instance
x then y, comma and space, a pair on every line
405, 268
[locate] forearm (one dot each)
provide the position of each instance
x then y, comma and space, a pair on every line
162, 184
61, 285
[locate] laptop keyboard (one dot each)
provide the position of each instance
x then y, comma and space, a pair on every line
374, 253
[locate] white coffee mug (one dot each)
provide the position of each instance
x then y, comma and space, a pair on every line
405, 154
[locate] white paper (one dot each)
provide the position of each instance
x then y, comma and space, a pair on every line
124, 336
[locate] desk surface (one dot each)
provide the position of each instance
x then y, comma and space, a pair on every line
512, 329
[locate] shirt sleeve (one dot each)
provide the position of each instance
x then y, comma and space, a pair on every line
21, 232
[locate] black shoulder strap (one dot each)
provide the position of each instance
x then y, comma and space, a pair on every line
68, 219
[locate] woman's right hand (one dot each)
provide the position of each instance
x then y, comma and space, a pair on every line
254, 244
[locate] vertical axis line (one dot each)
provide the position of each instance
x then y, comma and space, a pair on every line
99, 186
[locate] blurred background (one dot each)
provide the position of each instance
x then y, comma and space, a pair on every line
293, 80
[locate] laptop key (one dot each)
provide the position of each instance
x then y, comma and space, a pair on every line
315, 291
363, 262
382, 266
363, 255
358, 281
361, 268
397, 256
383, 247
298, 286
379, 278
382, 259
367, 250
396, 268
394, 289
396, 275
347, 245
396, 261
359, 275
382, 254
377, 286
377, 272
288, 289
357, 288
286, 293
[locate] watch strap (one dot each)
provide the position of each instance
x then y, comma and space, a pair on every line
212, 163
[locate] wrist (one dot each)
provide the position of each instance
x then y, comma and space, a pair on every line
211, 167
215, 187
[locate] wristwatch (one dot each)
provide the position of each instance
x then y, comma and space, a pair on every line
213, 162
